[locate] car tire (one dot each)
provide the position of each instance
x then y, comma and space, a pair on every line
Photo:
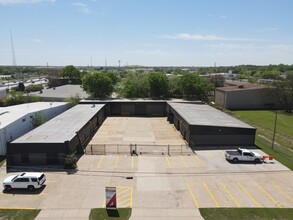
235, 160
31, 188
257, 160
8, 188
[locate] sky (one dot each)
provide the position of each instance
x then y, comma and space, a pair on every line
146, 32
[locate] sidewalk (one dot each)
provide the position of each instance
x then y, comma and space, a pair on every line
170, 214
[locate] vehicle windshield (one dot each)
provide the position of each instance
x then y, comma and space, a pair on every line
41, 177
15, 177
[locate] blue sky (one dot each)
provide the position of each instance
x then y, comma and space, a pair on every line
146, 32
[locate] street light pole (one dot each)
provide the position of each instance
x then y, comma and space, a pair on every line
274, 134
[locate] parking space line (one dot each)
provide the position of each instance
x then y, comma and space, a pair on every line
230, 194
116, 162
192, 195
168, 161
268, 195
131, 197
17, 208
282, 191
102, 157
184, 162
249, 195
211, 194
197, 157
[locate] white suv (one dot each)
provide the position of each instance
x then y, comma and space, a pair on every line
28, 180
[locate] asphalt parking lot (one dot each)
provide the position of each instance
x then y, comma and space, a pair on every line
204, 179
157, 185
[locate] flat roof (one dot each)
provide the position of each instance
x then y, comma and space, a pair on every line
202, 114
10, 114
63, 127
239, 86
66, 91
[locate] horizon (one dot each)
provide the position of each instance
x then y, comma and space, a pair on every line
146, 33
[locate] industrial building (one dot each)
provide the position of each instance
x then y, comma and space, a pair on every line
244, 95
18, 119
202, 125
199, 124
49, 143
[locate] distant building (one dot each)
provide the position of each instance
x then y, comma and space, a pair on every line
244, 95
17, 120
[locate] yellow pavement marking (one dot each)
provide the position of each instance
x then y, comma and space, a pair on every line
197, 157
232, 197
104, 203
249, 195
282, 191
127, 201
122, 197
184, 162
18, 208
50, 181
211, 194
131, 198
267, 194
192, 195
209, 154
116, 162
168, 161
102, 157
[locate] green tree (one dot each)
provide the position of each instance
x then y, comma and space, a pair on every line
70, 72
38, 120
174, 86
158, 83
193, 85
134, 85
98, 84
283, 91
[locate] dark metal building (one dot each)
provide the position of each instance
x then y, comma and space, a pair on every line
202, 125
67, 133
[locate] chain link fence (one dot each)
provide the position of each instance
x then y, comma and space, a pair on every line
137, 149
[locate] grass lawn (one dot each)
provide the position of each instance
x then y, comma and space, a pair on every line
264, 121
246, 213
15, 214
105, 214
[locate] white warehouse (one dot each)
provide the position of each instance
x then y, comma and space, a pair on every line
17, 120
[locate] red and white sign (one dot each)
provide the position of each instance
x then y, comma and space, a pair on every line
111, 197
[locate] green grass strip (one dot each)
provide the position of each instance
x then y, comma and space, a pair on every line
15, 214
247, 213
105, 214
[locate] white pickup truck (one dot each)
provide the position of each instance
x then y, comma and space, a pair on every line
242, 155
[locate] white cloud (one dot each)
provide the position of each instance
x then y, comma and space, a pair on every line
83, 7
268, 29
8, 2
36, 40
210, 37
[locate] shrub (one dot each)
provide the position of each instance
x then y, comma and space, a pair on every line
33, 88
70, 161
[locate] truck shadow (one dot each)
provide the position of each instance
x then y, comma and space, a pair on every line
25, 191
246, 162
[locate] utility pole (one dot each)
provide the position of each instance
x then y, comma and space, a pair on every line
276, 117
119, 61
